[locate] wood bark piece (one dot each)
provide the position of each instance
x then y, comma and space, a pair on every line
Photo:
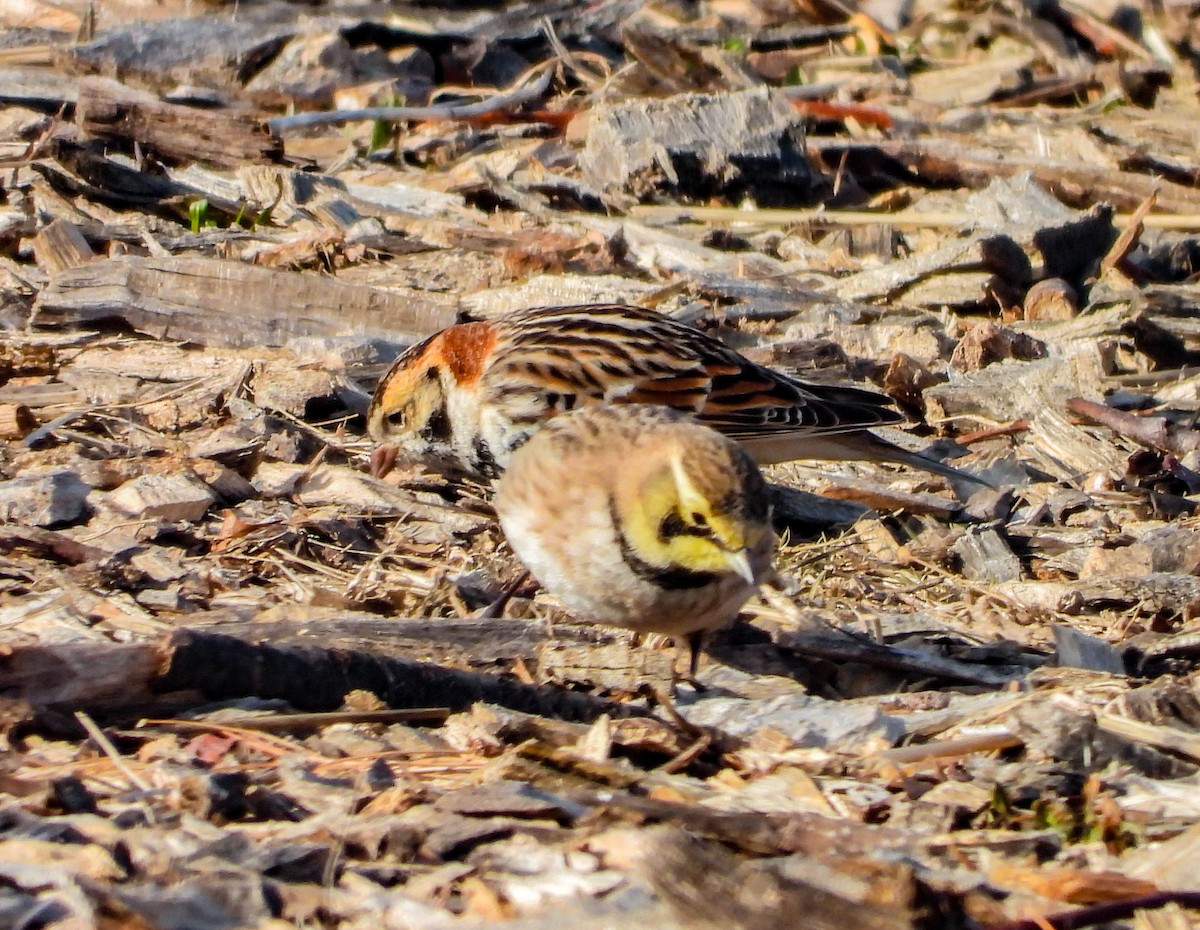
986, 557
697, 145
37, 88
219, 303
1076, 649
988, 342
1167, 593
61, 245
995, 253
1103, 914
1171, 865
172, 498
291, 191
1172, 549
801, 721
1157, 432
1020, 233
80, 675
79, 169
1065, 729
214, 50
342, 486
310, 678
831, 644
707, 887
1070, 452
619, 666
281, 385
1013, 390
1171, 310
109, 110
1170, 739
16, 421
44, 500
950, 163
671, 64
805, 834
475, 642
312, 68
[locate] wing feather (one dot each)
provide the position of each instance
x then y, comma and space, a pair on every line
628, 354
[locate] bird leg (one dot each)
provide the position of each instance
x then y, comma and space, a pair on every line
695, 643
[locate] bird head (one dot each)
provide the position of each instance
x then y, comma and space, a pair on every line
702, 510
408, 411
425, 405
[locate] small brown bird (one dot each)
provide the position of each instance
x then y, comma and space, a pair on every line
466, 398
639, 517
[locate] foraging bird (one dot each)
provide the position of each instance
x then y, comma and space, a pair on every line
640, 517
468, 397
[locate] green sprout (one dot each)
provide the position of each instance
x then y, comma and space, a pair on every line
382, 130
198, 214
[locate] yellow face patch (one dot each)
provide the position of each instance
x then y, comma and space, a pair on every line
674, 524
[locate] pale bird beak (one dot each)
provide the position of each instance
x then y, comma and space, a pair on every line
383, 460
740, 563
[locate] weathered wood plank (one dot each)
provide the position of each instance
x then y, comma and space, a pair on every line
61, 245
308, 677
109, 110
221, 303
37, 88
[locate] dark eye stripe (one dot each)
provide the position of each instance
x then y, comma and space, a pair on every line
671, 577
438, 426
672, 525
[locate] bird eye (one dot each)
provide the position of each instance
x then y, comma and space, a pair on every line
699, 519
396, 418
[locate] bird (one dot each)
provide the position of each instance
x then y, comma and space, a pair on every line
465, 399
640, 517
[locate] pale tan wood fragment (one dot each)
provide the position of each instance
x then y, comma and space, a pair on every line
16, 421
61, 245
108, 109
878, 497
81, 673
220, 303
163, 497
1160, 737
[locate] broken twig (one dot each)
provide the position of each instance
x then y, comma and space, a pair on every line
523, 93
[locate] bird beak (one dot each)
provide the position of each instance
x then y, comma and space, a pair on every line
740, 563
383, 460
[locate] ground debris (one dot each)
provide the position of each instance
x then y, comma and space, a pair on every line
693, 146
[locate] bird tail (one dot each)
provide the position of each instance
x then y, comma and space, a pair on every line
856, 445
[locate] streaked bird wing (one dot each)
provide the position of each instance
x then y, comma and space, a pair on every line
628, 354
606, 352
